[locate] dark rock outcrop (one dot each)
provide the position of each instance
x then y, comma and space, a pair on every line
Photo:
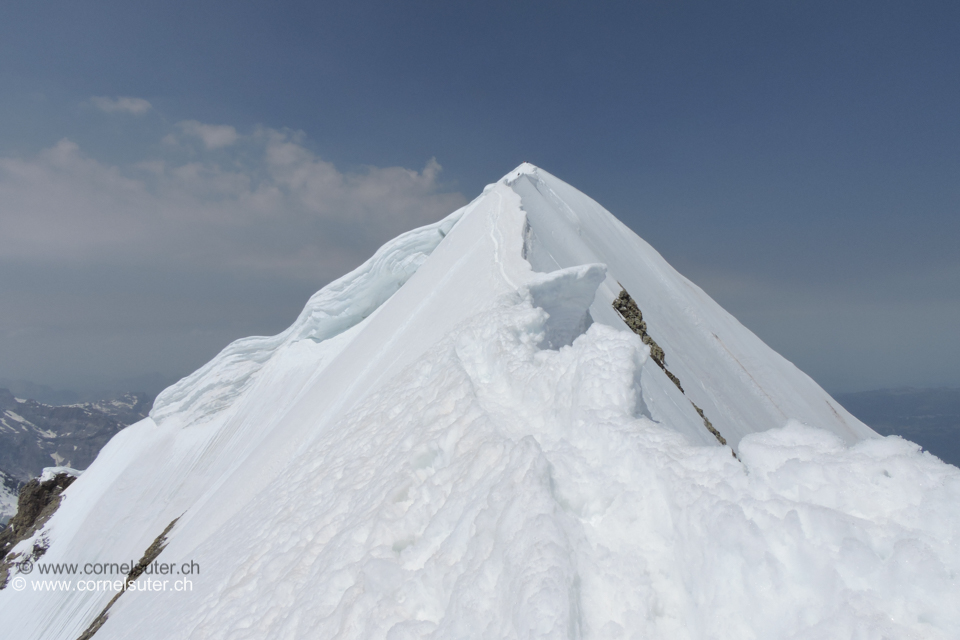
632, 316
154, 550
627, 307
38, 501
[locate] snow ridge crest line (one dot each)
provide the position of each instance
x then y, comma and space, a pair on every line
337, 307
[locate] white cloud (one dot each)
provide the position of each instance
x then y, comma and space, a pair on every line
135, 106
214, 136
286, 211
156, 265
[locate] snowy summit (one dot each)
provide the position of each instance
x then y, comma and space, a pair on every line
518, 422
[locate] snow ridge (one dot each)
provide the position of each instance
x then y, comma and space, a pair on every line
462, 439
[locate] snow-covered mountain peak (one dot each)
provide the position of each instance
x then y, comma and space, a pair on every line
516, 422
524, 169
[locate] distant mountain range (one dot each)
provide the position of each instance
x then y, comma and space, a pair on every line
929, 417
34, 435
149, 383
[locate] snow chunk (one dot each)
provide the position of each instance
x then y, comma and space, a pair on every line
49, 473
566, 296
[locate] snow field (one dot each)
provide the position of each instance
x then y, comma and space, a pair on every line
516, 495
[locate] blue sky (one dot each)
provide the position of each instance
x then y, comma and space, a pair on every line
174, 175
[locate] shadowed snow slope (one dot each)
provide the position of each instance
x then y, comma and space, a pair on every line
462, 439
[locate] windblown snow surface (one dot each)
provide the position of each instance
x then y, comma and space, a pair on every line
461, 439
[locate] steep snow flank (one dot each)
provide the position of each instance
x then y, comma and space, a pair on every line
331, 311
741, 384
